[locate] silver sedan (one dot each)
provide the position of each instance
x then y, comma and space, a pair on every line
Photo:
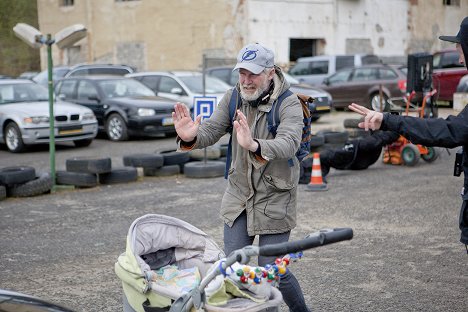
24, 117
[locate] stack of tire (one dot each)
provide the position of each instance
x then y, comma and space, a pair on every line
351, 126
165, 163
328, 139
23, 181
208, 162
91, 171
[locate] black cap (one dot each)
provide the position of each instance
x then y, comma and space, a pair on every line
455, 39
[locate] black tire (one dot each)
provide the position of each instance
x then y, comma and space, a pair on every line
317, 140
432, 154
173, 157
374, 103
116, 128
13, 138
202, 169
17, 175
212, 152
163, 171
352, 122
357, 133
83, 143
335, 137
3, 193
144, 160
42, 184
82, 179
410, 155
120, 175
89, 164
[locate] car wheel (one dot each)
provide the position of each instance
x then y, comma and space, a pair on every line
116, 128
432, 154
13, 138
83, 143
410, 155
374, 102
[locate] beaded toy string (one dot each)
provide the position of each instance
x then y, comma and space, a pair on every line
269, 272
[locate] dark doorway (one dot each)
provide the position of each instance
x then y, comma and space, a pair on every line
301, 47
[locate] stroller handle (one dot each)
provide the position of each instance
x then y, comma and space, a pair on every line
317, 239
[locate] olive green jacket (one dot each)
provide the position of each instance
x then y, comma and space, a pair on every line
266, 187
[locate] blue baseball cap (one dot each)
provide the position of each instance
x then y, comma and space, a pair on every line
255, 58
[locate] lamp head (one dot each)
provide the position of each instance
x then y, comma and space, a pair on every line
28, 34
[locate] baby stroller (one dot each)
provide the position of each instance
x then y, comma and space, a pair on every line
158, 242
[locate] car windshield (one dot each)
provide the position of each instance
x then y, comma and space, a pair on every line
43, 77
123, 88
22, 92
213, 85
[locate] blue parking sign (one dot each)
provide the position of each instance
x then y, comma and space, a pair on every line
204, 106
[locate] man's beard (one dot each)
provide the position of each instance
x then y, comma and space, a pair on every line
260, 90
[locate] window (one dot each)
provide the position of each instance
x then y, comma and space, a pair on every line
67, 2
387, 74
167, 84
451, 2
319, 67
67, 88
301, 68
86, 90
150, 81
364, 74
341, 76
344, 61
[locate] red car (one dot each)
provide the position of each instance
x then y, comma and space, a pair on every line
447, 74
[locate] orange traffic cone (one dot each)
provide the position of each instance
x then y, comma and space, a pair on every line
316, 180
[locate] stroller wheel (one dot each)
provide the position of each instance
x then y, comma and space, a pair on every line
410, 155
431, 155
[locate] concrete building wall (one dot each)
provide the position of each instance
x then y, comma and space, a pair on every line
159, 35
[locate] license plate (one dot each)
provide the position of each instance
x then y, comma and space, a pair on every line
70, 131
167, 121
321, 108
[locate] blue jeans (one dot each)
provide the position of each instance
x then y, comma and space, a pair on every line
236, 237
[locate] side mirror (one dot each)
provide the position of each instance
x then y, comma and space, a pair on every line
326, 81
177, 91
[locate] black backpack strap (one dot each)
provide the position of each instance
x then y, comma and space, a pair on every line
273, 115
234, 104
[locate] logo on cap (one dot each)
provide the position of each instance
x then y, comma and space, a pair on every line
249, 55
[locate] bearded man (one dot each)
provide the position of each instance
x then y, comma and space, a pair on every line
260, 198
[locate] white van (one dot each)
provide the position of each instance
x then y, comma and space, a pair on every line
313, 69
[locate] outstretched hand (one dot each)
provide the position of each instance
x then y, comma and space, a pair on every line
186, 128
244, 136
372, 119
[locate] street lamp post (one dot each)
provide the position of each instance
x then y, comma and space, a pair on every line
63, 39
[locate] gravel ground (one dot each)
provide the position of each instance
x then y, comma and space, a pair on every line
405, 255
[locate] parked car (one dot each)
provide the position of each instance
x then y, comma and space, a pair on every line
463, 84
24, 117
323, 99
313, 69
123, 106
362, 85
182, 86
28, 75
12, 301
82, 70
446, 74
